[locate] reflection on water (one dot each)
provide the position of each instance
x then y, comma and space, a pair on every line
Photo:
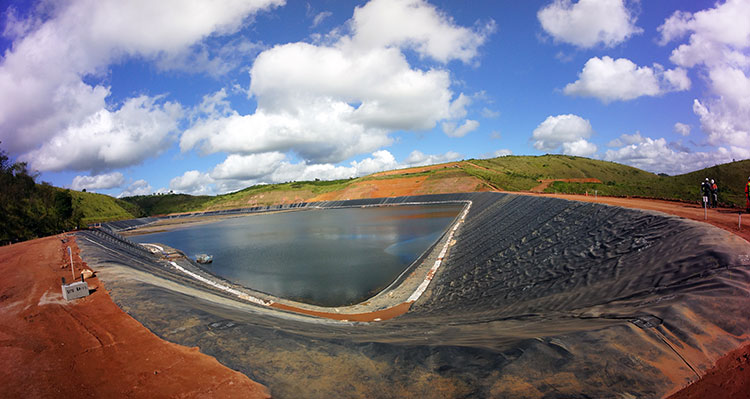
329, 257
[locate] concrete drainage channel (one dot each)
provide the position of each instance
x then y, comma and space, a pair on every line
537, 297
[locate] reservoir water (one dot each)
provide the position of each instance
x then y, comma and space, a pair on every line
330, 257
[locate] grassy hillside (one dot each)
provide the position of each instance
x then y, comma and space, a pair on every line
509, 173
34, 210
150, 205
730, 178
519, 173
101, 208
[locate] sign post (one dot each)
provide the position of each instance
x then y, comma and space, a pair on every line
76, 289
70, 253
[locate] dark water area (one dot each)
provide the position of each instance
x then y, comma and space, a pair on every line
328, 257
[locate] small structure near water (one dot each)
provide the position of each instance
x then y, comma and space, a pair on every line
204, 258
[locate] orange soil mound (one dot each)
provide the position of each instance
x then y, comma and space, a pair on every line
729, 378
418, 169
89, 347
403, 186
378, 315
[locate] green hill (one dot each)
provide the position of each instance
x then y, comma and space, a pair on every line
32, 210
162, 204
508, 173
95, 208
519, 173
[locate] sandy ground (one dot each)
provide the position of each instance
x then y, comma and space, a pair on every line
74, 348
89, 347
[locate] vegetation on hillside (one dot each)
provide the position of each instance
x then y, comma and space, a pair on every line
622, 181
30, 210
95, 208
33, 210
162, 204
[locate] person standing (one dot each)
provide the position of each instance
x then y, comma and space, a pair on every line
714, 194
747, 195
706, 193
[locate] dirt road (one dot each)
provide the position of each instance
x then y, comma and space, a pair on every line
89, 347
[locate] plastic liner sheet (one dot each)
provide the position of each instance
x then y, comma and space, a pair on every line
538, 297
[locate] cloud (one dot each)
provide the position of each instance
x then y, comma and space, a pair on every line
502, 153
498, 153
320, 17
416, 25
240, 171
626, 139
682, 128
588, 23
719, 45
330, 102
247, 167
610, 80
44, 70
140, 129
138, 187
98, 182
418, 158
655, 155
566, 132
214, 58
490, 114
192, 182
450, 128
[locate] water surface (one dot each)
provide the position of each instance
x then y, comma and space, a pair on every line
330, 257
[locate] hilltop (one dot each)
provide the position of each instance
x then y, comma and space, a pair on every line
546, 173
34, 210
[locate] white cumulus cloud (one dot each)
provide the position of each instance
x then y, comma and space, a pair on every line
141, 128
417, 25
138, 187
682, 128
98, 182
452, 130
330, 102
43, 72
418, 158
567, 133
657, 156
588, 23
718, 42
193, 182
610, 80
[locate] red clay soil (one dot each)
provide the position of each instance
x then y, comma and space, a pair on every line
418, 169
405, 186
89, 347
378, 315
729, 378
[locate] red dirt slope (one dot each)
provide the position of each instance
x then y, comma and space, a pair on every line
89, 347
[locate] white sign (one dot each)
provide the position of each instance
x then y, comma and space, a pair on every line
76, 290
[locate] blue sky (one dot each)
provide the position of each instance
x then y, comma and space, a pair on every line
140, 97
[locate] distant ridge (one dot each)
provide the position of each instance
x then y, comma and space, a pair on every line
545, 173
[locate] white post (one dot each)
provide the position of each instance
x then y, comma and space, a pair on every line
739, 220
705, 208
71, 264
